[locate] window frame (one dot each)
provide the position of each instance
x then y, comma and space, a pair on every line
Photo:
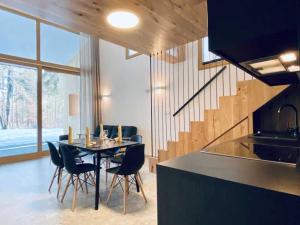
210, 64
40, 66
128, 56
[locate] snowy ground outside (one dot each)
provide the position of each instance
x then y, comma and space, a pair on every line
22, 141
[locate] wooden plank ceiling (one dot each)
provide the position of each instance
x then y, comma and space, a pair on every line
163, 23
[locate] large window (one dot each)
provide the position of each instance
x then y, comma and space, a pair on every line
39, 71
207, 59
17, 35
57, 89
208, 56
18, 110
59, 46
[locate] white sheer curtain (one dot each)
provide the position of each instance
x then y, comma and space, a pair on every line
90, 107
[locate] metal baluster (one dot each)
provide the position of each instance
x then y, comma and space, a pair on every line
216, 89
183, 91
151, 107
198, 84
223, 79
154, 104
174, 120
169, 86
204, 81
158, 119
188, 81
236, 74
178, 95
209, 87
162, 100
229, 77
165, 114
193, 78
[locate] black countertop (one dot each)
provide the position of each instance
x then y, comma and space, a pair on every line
236, 164
286, 151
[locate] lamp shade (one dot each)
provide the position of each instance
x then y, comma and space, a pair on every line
73, 104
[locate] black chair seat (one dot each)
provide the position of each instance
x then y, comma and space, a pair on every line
80, 154
117, 159
114, 170
86, 167
109, 153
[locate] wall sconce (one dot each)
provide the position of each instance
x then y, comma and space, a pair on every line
105, 96
157, 89
73, 104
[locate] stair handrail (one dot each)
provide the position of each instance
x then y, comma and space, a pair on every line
200, 90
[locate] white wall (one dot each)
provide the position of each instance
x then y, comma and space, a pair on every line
126, 81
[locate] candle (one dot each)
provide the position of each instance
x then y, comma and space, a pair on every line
87, 137
70, 135
119, 133
101, 130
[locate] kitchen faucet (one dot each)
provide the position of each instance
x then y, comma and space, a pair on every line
296, 129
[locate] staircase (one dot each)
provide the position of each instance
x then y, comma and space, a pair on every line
231, 120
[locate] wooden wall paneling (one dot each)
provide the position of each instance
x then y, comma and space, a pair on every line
238, 131
171, 147
162, 155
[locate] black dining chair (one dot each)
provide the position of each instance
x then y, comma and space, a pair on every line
132, 162
117, 159
58, 162
79, 153
75, 171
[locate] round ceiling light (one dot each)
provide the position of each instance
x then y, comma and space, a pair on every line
122, 20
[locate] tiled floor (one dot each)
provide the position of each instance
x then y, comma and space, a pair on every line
24, 199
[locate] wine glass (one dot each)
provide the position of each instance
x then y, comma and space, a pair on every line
105, 134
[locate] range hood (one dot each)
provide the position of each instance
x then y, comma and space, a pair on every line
262, 37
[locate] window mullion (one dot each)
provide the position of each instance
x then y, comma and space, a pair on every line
38, 40
39, 108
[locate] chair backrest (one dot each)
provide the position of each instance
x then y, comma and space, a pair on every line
63, 137
137, 138
55, 157
69, 159
133, 160
128, 131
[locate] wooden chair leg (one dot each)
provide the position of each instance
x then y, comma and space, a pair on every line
125, 194
60, 170
67, 186
141, 187
111, 188
107, 166
80, 183
85, 181
91, 178
52, 180
138, 173
75, 193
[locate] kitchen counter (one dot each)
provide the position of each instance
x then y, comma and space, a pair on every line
209, 187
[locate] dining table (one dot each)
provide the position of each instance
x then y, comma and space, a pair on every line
97, 148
